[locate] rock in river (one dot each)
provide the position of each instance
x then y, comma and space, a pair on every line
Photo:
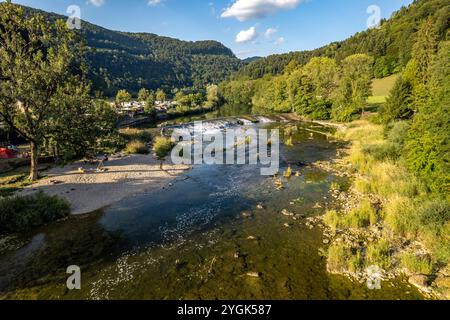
421, 282
254, 274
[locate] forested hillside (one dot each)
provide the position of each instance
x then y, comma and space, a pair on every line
390, 45
120, 60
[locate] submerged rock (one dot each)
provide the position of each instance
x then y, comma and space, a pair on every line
254, 274
246, 215
287, 213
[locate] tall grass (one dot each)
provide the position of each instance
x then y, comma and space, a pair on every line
136, 147
408, 209
130, 134
362, 216
415, 264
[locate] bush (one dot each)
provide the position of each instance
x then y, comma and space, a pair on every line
162, 147
25, 213
399, 104
136, 147
397, 133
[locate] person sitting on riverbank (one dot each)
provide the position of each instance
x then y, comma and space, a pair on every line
101, 165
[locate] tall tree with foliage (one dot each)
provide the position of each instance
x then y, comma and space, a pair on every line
428, 145
322, 73
143, 94
418, 69
161, 95
212, 95
424, 49
238, 92
150, 105
399, 104
39, 70
123, 96
355, 86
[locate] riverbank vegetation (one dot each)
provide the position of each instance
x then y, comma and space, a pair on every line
25, 213
396, 221
400, 164
136, 147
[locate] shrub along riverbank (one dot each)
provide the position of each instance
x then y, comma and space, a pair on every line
389, 217
25, 213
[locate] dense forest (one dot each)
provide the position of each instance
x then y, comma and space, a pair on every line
337, 85
391, 44
120, 60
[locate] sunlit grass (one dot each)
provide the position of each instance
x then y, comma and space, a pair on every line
407, 207
377, 99
136, 147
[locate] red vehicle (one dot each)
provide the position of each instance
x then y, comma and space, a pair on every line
6, 153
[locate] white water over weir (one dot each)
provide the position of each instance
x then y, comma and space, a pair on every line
217, 125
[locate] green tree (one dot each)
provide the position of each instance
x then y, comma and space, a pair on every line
418, 69
355, 86
237, 92
399, 104
322, 73
291, 67
213, 97
122, 97
428, 146
162, 147
161, 95
425, 49
303, 97
143, 95
40, 73
150, 105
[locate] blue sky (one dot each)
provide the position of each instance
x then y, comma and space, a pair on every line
248, 27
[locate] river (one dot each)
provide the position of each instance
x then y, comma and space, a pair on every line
192, 240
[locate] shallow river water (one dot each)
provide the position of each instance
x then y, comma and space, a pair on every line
191, 241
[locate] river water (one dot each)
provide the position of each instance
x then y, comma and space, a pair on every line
192, 241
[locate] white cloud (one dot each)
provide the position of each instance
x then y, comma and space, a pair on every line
97, 3
154, 3
247, 35
270, 32
280, 41
247, 9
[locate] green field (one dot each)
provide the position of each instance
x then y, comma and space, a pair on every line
381, 89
